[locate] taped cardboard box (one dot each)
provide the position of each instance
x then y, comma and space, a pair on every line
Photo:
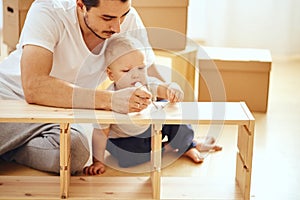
166, 21
242, 74
14, 14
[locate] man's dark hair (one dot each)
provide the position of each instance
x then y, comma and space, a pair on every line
94, 3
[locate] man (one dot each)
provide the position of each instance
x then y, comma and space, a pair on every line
57, 63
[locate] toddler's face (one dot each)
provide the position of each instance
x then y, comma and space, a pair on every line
128, 69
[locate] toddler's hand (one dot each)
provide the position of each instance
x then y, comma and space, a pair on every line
174, 92
94, 169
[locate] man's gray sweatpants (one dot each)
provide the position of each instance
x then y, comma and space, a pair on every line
37, 146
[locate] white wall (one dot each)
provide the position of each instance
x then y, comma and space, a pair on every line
272, 24
1, 15
1, 25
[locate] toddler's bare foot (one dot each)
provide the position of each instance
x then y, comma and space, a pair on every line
207, 145
194, 155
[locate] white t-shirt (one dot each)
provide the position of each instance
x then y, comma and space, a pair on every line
53, 24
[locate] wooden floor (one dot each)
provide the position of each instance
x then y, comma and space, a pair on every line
276, 168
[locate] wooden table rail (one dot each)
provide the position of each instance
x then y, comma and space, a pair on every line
232, 113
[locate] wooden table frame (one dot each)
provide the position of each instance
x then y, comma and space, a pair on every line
232, 113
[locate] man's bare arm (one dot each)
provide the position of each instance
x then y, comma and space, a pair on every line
40, 88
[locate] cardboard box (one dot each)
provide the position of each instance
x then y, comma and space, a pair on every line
238, 73
182, 68
14, 14
166, 21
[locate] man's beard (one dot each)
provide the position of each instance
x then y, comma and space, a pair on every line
98, 36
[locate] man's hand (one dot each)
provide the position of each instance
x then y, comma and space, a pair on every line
132, 99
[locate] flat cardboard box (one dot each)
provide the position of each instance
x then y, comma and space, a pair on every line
235, 74
14, 14
166, 22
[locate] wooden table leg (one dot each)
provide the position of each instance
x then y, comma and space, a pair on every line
156, 160
244, 159
65, 158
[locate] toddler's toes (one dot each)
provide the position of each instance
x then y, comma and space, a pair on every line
203, 147
194, 155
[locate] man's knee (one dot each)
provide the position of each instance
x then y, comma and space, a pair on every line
79, 151
79, 154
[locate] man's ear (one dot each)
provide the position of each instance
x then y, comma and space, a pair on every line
80, 4
109, 74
